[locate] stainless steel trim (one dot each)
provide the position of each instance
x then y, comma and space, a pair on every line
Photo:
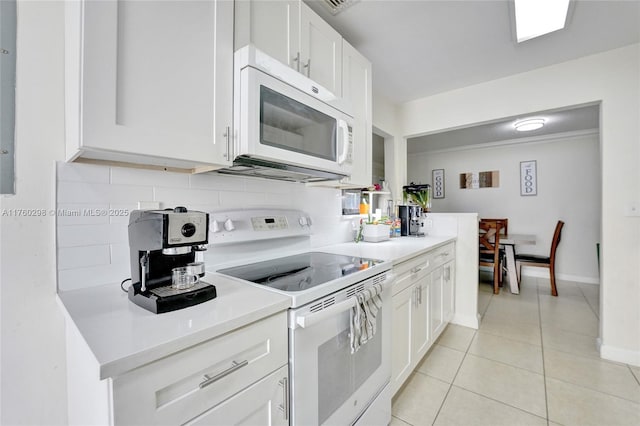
236, 366
296, 59
250, 166
227, 135
308, 67
176, 250
284, 407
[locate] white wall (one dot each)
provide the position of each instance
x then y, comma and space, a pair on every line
568, 189
32, 333
613, 78
94, 250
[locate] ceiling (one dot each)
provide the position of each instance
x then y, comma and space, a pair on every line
578, 119
422, 47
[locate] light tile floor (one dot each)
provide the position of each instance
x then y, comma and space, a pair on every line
534, 361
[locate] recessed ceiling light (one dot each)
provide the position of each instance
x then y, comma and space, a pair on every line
538, 17
528, 124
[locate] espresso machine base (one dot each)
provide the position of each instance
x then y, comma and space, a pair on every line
164, 299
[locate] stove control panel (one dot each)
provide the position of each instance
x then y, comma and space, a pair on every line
239, 226
269, 223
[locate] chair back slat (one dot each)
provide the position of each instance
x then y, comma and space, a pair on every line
556, 240
504, 229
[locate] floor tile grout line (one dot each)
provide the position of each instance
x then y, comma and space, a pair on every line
498, 401
633, 374
595, 390
454, 377
544, 371
588, 303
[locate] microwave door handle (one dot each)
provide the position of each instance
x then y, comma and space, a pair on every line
343, 141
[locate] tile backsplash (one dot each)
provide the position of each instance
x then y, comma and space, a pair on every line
93, 202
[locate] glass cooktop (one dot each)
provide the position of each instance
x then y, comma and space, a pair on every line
301, 271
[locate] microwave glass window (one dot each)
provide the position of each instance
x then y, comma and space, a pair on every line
288, 124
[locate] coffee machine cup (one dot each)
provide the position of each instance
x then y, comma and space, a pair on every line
183, 278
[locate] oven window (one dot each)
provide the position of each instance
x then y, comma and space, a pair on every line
288, 124
340, 373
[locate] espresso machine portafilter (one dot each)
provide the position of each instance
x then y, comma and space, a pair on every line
159, 241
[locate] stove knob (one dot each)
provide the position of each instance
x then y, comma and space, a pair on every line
309, 221
302, 221
215, 226
228, 225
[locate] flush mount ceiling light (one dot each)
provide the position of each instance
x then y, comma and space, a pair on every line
528, 124
538, 17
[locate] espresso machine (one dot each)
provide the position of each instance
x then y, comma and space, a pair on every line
159, 241
411, 220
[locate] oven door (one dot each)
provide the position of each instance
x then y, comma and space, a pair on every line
329, 385
278, 121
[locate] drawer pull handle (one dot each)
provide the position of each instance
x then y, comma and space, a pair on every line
284, 407
416, 269
234, 367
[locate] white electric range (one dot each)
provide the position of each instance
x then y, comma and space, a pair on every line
329, 383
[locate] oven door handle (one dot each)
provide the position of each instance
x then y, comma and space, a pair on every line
309, 320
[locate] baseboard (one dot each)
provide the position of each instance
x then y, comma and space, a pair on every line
626, 356
466, 321
544, 273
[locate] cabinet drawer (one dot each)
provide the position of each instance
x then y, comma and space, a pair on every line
443, 254
177, 388
409, 271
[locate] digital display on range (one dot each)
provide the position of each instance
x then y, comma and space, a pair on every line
269, 220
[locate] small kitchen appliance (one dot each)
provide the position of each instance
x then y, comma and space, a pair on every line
411, 220
160, 241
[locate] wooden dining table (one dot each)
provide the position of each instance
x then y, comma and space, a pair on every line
509, 242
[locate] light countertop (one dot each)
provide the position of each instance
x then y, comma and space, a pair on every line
396, 250
123, 336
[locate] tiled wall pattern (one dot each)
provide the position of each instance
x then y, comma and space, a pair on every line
93, 202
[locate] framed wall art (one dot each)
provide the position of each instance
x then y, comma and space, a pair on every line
528, 178
437, 183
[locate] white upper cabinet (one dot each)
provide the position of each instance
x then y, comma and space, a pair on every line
292, 33
150, 82
320, 51
356, 91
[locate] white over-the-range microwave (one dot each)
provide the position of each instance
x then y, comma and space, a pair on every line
285, 125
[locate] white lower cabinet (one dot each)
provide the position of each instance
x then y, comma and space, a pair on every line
423, 304
240, 377
264, 403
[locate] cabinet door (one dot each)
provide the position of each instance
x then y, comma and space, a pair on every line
422, 331
320, 51
157, 79
182, 386
435, 305
273, 27
448, 290
402, 326
264, 403
356, 90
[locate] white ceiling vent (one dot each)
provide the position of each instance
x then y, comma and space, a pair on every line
337, 6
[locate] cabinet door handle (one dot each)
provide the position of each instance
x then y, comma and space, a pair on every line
447, 273
227, 135
416, 269
296, 59
308, 67
420, 294
284, 407
235, 366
